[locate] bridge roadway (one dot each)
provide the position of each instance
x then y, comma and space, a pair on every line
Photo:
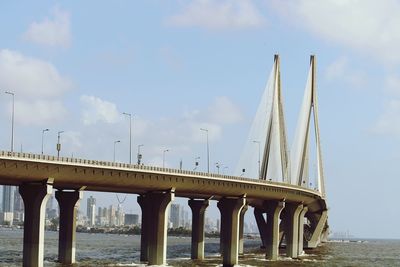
160, 185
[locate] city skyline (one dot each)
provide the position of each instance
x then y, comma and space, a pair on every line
176, 73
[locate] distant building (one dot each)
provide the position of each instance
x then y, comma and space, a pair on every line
7, 215
175, 215
131, 219
111, 216
91, 210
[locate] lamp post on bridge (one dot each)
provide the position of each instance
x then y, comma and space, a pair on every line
115, 142
208, 150
139, 156
12, 119
259, 157
130, 136
163, 161
58, 143
43, 131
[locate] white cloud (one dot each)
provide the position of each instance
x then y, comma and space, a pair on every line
38, 112
392, 84
37, 85
224, 111
365, 25
234, 14
98, 110
30, 77
340, 70
53, 31
388, 122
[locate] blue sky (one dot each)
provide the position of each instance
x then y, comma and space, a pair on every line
182, 65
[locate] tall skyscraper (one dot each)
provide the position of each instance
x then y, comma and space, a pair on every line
175, 215
91, 210
8, 205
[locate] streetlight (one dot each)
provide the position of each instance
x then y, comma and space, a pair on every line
163, 160
12, 120
43, 131
130, 136
218, 165
115, 142
208, 150
259, 157
58, 143
223, 170
139, 156
196, 163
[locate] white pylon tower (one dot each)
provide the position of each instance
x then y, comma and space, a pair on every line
275, 157
299, 173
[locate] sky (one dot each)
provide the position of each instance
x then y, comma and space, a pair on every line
178, 66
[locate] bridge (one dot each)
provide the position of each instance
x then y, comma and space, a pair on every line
296, 212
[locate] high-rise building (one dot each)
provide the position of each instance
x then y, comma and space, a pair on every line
91, 210
111, 216
131, 219
8, 205
175, 215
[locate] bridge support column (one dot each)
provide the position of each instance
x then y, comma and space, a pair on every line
144, 248
274, 209
35, 197
301, 230
261, 224
318, 222
230, 209
198, 210
154, 206
69, 204
292, 212
241, 229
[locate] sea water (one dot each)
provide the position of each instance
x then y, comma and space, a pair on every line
124, 250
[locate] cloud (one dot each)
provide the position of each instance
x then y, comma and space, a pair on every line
388, 124
98, 110
368, 26
340, 70
30, 77
218, 15
224, 111
53, 31
392, 84
37, 112
37, 86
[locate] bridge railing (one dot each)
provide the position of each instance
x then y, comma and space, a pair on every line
101, 163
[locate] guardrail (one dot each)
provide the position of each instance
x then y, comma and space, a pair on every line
100, 163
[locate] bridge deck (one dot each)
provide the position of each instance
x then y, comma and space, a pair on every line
72, 173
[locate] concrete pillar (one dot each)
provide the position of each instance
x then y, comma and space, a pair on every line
35, 197
261, 224
318, 223
301, 230
144, 248
241, 228
198, 211
230, 209
292, 212
154, 206
274, 209
68, 202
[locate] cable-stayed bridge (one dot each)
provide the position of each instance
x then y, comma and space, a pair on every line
293, 200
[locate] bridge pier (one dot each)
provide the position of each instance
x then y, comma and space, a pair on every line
301, 230
274, 209
35, 197
198, 211
291, 217
261, 225
230, 209
318, 222
154, 226
68, 202
241, 229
